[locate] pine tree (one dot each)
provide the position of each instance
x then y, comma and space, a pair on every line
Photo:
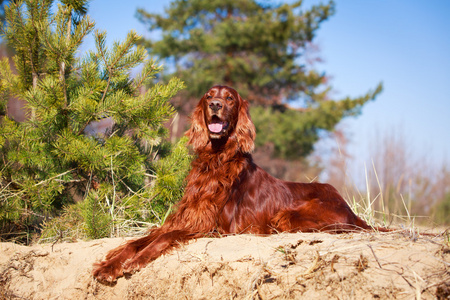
2, 11
50, 158
259, 49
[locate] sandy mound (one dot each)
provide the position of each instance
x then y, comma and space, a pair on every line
309, 266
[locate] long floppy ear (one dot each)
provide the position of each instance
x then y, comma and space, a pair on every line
245, 130
198, 134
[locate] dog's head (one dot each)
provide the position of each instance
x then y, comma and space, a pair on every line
220, 114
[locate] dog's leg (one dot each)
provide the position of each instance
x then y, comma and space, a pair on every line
318, 215
161, 245
112, 267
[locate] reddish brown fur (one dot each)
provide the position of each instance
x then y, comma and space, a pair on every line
227, 193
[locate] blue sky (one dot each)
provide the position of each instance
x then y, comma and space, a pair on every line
403, 43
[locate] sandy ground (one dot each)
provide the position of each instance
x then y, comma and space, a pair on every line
284, 266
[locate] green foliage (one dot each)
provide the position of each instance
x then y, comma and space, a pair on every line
260, 49
108, 211
51, 160
442, 211
97, 220
293, 133
170, 173
69, 226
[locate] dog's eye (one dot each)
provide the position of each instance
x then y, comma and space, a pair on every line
208, 97
230, 98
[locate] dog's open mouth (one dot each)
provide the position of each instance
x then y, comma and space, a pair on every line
217, 125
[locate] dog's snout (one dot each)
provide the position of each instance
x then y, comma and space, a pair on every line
215, 105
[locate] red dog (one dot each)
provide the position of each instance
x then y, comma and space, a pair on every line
227, 193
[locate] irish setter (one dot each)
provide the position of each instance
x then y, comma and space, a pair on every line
227, 193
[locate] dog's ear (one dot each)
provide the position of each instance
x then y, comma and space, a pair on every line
245, 130
198, 133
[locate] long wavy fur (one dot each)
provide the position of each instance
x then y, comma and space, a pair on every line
227, 192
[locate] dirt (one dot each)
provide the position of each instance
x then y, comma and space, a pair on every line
284, 266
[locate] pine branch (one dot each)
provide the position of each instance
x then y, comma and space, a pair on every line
44, 156
62, 71
54, 177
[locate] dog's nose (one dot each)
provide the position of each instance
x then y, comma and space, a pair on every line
215, 105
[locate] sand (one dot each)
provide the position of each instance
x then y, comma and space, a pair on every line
283, 266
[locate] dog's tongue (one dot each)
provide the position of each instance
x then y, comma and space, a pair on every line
215, 127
